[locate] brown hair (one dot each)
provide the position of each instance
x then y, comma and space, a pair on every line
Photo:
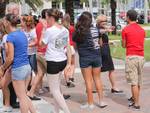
2, 27
29, 21
54, 13
66, 21
13, 19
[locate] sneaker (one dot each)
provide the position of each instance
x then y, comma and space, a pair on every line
70, 84
131, 99
102, 105
133, 106
66, 96
71, 79
41, 91
61, 111
34, 98
116, 91
87, 106
15, 105
7, 109
136, 107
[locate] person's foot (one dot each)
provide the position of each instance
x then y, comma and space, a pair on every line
16, 105
41, 91
135, 107
34, 98
71, 79
7, 109
115, 91
85, 106
102, 105
66, 96
70, 84
131, 99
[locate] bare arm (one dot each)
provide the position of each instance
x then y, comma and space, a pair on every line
9, 57
123, 43
33, 43
69, 54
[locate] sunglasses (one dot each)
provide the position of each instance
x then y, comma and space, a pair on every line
103, 21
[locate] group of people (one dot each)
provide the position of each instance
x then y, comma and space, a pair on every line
51, 41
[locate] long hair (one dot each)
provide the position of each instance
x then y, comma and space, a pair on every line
2, 28
66, 21
82, 27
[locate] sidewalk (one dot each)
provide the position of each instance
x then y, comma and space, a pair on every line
116, 103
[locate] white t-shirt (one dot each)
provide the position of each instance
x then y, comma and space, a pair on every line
57, 40
31, 37
2, 45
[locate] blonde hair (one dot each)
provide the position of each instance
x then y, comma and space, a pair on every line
11, 6
101, 18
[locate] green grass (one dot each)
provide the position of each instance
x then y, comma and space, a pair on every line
145, 25
119, 52
118, 37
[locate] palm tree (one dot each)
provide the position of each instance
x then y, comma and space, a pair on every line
32, 3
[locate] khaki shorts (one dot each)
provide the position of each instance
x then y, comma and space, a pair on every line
41, 62
134, 70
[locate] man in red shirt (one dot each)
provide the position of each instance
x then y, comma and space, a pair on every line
133, 40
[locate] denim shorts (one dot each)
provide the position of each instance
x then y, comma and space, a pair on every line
21, 73
90, 61
33, 62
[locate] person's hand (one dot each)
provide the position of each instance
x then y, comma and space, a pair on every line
67, 70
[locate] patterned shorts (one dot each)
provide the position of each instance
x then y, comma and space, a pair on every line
134, 70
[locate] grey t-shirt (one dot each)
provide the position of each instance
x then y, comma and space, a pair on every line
31, 37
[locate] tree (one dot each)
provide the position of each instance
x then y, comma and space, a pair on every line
69, 6
113, 14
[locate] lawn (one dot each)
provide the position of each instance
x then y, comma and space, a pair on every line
118, 37
119, 52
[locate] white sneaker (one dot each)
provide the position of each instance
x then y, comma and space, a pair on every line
102, 104
61, 111
87, 106
7, 109
91, 106
41, 91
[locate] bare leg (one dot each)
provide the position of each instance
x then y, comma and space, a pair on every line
87, 75
112, 79
135, 94
4, 83
25, 102
37, 79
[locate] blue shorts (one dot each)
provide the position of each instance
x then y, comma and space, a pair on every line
90, 61
33, 62
21, 73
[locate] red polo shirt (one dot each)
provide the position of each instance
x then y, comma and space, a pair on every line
71, 30
39, 29
134, 36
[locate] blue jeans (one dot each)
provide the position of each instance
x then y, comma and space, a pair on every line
21, 73
33, 62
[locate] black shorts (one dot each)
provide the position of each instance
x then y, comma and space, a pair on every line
55, 67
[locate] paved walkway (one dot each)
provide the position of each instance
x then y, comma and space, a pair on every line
116, 103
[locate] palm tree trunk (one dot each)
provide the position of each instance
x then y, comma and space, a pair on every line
3, 4
113, 14
70, 9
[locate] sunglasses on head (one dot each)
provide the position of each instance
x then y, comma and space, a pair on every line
103, 21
